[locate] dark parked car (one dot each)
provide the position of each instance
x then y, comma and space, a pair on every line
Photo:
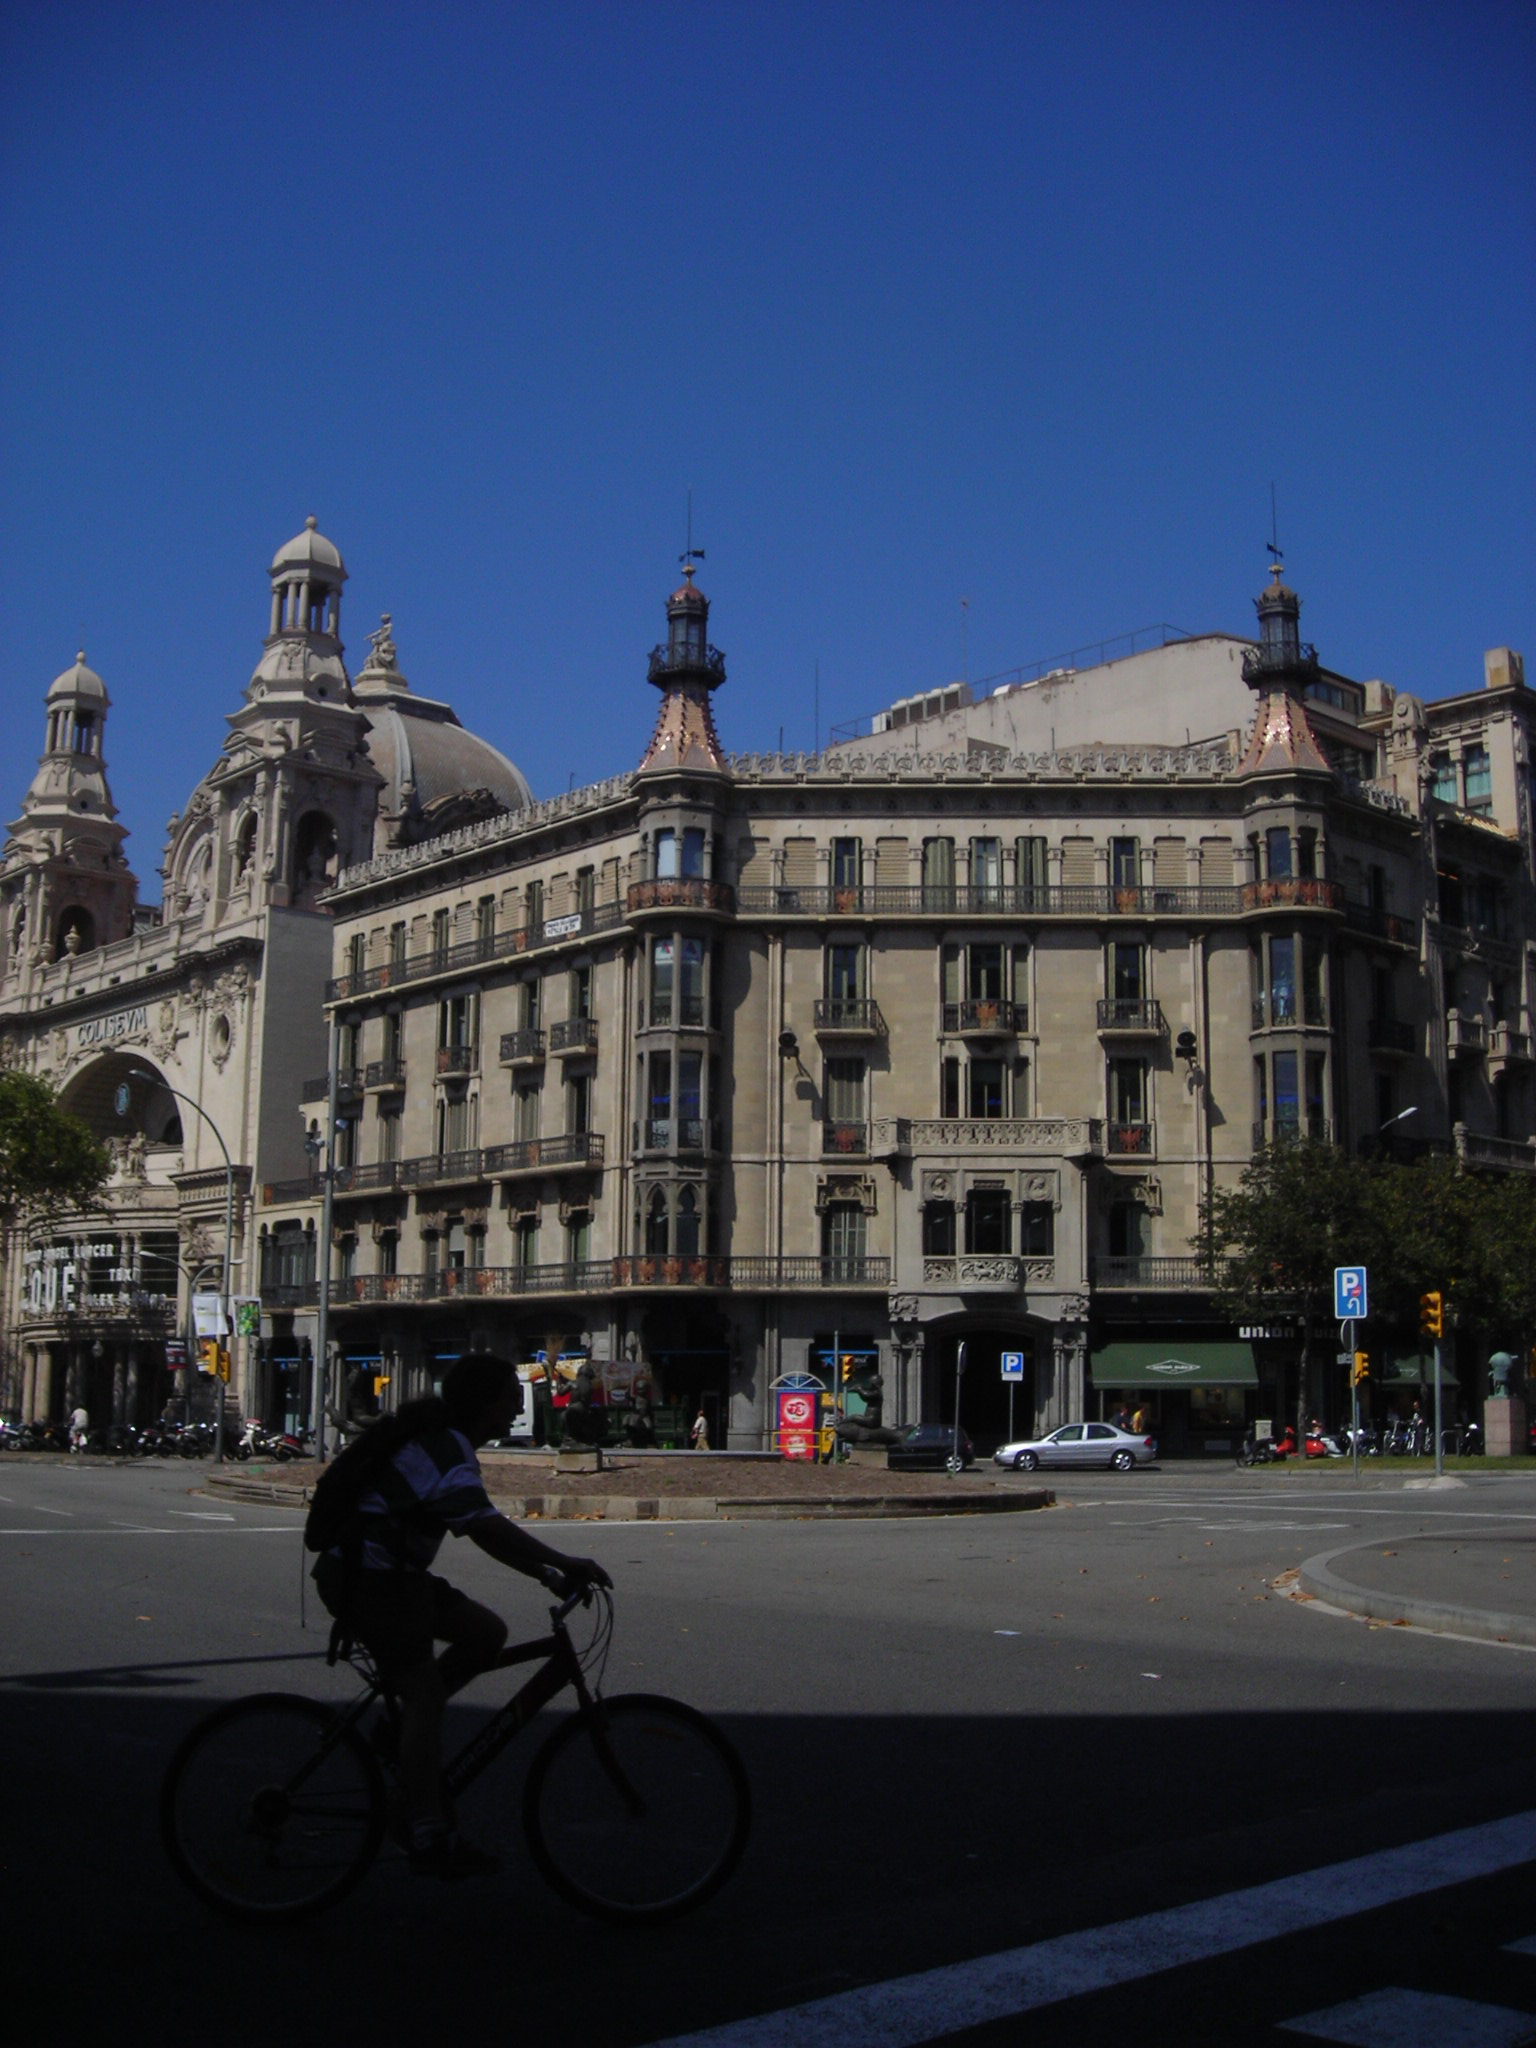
929, 1447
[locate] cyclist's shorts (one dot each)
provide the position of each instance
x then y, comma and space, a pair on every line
399, 1615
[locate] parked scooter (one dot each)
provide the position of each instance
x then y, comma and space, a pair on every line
1323, 1443
1265, 1450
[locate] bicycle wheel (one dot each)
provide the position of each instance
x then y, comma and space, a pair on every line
638, 1810
269, 1810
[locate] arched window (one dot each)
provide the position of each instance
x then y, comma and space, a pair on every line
656, 1232
77, 931
687, 1223
245, 847
314, 858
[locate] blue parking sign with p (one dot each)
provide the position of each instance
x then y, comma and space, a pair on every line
1349, 1298
1013, 1365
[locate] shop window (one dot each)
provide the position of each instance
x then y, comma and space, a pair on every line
988, 1217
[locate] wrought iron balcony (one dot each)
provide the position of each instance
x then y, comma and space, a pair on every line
985, 1017
434, 1169
276, 1191
362, 1180
1270, 664
523, 1048
593, 1276
847, 1017
384, 1075
680, 892
840, 1137
1293, 892
1130, 1017
478, 952
668, 660
573, 1035
454, 1062
543, 1155
1287, 1130
349, 1082
1126, 1141
1382, 924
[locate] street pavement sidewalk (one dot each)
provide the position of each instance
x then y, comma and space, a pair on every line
1474, 1581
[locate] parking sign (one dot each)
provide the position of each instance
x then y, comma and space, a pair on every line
1349, 1293
1013, 1365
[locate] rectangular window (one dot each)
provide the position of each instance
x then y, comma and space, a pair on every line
1317, 1094
525, 1111
533, 910
1287, 1101
661, 1087
1127, 1091
1021, 1088
586, 889
1477, 771
485, 919
693, 852
1261, 1091
1124, 864
692, 1009
949, 974
1277, 853
532, 1003
1127, 1231
525, 1241
985, 1078
357, 953
1127, 971
397, 943
442, 930
389, 1134
1282, 980
938, 874
1442, 784
984, 979
431, 1253
843, 1240
662, 962
394, 1037
578, 1104
581, 990
845, 863
458, 1023
1037, 1231
666, 856
578, 1238
845, 973
844, 1091
986, 871
949, 1087
1031, 868
939, 1229
389, 1253
1311, 981
1306, 852
690, 1094
988, 1219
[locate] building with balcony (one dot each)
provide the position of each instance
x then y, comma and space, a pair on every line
937, 1036
212, 1001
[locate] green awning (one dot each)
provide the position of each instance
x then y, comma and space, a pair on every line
1174, 1365
1411, 1371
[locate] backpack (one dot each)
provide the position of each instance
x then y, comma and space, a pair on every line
332, 1517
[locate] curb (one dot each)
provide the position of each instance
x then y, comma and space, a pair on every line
1445, 1617
577, 1507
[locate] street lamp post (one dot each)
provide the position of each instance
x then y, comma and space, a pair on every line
155, 1081
315, 1144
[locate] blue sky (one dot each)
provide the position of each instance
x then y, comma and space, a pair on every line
1024, 305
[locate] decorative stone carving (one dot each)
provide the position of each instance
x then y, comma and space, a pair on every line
846, 1187
1041, 1187
937, 1187
901, 1308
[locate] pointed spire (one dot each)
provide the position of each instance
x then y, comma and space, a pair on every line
687, 670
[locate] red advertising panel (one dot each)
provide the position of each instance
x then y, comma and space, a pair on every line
796, 1422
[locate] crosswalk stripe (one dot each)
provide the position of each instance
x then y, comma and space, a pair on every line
904, 2012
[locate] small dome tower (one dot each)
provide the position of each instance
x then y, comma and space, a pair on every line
687, 671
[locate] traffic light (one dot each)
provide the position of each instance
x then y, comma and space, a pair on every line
208, 1354
849, 1363
380, 1382
1362, 1367
1431, 1315
221, 1366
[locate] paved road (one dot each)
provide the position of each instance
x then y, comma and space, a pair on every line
974, 1743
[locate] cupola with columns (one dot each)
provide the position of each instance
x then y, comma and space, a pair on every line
687, 671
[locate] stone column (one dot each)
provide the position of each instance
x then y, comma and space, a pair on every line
119, 1384
28, 1383
74, 1377
42, 1404
131, 1384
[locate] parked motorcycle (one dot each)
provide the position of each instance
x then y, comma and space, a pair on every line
1265, 1450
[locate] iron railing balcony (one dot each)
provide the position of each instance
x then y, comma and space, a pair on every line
384, 1076
367, 1179
847, 1017
986, 899
1293, 892
477, 952
685, 1012
349, 1082
455, 1062
282, 1294
434, 1169
680, 892
1288, 1006
1381, 924
1171, 1275
542, 1155
839, 1136
594, 1276
1389, 1035
573, 1035
985, 1017
1130, 1017
1286, 1130
1129, 1140
1269, 664
667, 660
523, 1048
307, 1189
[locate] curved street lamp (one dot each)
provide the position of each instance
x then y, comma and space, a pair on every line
156, 1081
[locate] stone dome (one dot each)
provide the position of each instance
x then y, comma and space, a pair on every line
78, 682
309, 549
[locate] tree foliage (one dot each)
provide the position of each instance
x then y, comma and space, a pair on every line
48, 1158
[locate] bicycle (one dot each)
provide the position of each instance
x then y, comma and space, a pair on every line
636, 1808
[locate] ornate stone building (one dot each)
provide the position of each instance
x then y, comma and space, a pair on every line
737, 1066
210, 1007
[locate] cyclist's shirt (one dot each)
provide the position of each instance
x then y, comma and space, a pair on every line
430, 1486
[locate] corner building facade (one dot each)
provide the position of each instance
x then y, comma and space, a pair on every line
734, 1068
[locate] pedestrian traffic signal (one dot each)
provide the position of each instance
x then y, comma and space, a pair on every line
1431, 1315
1362, 1367
207, 1354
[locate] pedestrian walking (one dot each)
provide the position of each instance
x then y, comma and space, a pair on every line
79, 1429
700, 1432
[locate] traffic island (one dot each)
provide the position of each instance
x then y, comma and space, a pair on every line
683, 1486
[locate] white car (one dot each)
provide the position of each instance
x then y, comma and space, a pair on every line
1080, 1443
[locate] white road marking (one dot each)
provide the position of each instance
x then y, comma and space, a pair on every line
39, 1509
133, 1529
1395, 2018
906, 2011
206, 1515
